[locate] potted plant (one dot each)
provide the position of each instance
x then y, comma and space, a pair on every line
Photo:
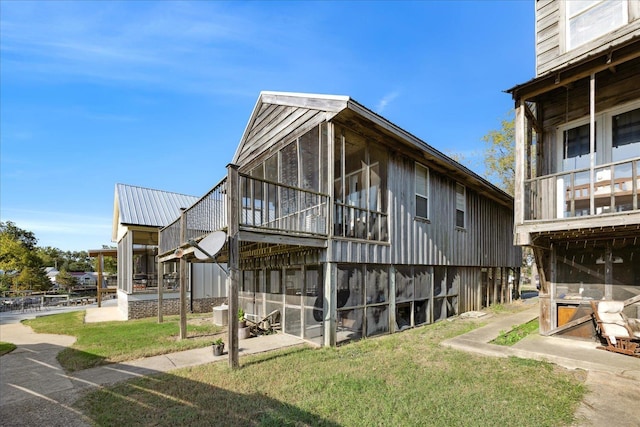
244, 331
218, 347
242, 322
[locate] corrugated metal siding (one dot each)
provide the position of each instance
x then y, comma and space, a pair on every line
144, 206
485, 242
208, 281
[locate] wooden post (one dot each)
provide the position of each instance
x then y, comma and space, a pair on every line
330, 305
518, 188
99, 284
494, 285
392, 300
592, 143
233, 219
183, 279
160, 283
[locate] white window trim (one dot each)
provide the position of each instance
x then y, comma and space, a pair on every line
415, 188
604, 133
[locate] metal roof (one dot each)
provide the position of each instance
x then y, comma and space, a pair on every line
148, 207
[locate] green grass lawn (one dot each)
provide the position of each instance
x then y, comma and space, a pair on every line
110, 342
404, 379
6, 347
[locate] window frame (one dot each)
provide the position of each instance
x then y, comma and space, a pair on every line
355, 214
604, 135
427, 178
568, 17
464, 211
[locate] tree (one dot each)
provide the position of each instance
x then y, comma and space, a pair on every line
27, 238
499, 155
52, 257
65, 260
19, 257
65, 280
110, 264
32, 278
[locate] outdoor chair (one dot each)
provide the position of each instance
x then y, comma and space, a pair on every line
614, 327
266, 325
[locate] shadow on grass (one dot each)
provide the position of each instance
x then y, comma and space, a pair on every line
273, 355
169, 400
124, 394
73, 360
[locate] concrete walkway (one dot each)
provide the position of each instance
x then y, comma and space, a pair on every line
35, 390
613, 380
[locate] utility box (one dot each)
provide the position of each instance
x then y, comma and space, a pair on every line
221, 315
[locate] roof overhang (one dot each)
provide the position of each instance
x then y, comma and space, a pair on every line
337, 106
444, 163
584, 67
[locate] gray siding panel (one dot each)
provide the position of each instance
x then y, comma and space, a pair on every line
485, 242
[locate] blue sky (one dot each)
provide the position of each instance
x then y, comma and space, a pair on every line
157, 93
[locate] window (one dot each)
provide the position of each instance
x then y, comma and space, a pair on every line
461, 204
575, 148
617, 138
625, 140
617, 143
360, 187
422, 191
587, 20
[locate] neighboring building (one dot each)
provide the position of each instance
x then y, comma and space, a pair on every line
578, 160
51, 273
350, 226
85, 279
138, 215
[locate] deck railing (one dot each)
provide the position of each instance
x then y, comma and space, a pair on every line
570, 194
263, 205
278, 207
206, 215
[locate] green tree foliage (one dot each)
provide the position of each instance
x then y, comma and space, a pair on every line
27, 238
109, 264
499, 155
19, 259
65, 280
77, 261
32, 278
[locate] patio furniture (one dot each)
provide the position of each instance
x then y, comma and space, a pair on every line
266, 325
613, 326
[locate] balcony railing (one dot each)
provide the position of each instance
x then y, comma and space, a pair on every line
278, 207
263, 205
572, 194
203, 217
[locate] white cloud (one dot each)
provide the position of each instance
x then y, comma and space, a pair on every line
195, 47
382, 104
65, 231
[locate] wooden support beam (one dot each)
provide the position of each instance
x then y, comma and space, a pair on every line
233, 215
160, 283
183, 278
99, 283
